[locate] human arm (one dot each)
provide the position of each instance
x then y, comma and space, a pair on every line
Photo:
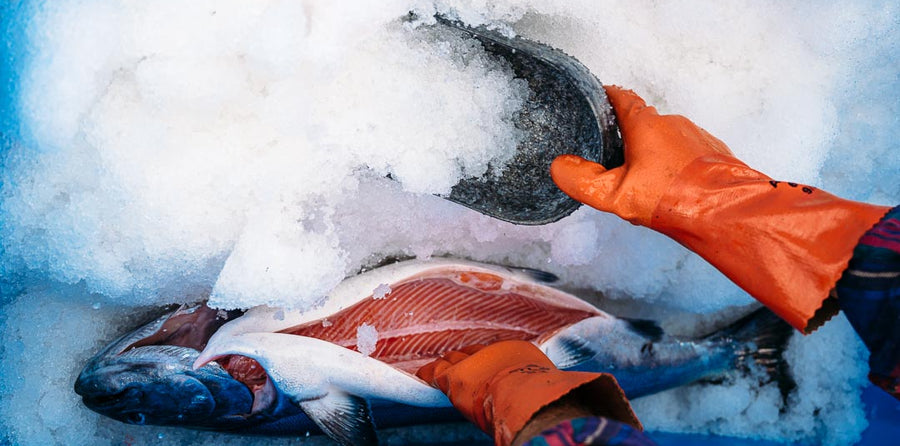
869, 294
564, 422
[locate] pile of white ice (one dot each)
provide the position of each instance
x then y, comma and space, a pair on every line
167, 150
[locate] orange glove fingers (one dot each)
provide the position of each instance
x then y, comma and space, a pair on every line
472, 349
641, 125
502, 386
657, 148
585, 181
428, 372
629, 107
454, 357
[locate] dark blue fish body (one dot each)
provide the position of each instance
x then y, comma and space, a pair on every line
684, 366
645, 360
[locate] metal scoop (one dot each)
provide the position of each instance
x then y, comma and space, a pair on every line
566, 112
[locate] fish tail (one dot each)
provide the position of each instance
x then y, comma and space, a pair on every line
761, 339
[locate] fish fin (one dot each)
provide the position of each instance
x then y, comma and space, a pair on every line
343, 417
762, 338
536, 275
568, 352
646, 328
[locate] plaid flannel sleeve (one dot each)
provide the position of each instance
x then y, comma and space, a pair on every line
591, 431
869, 294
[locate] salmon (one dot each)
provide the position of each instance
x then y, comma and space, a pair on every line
349, 365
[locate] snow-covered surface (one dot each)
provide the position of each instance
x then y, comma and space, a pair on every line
154, 152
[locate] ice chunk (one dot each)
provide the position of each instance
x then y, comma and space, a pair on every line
366, 339
381, 291
276, 263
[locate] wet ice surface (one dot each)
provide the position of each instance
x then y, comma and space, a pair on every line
174, 149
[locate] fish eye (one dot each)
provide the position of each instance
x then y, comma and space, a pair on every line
137, 418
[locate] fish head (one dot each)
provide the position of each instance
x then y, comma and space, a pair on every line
147, 377
155, 385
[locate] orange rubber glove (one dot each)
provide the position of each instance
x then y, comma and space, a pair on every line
786, 244
502, 386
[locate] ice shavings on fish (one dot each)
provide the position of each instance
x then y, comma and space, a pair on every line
381, 291
366, 339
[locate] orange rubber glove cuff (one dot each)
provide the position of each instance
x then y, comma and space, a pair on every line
786, 244
502, 386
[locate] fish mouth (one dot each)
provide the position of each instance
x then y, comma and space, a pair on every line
190, 326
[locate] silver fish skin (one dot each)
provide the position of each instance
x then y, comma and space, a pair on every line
312, 376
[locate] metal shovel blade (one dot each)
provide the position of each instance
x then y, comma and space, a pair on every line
566, 112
